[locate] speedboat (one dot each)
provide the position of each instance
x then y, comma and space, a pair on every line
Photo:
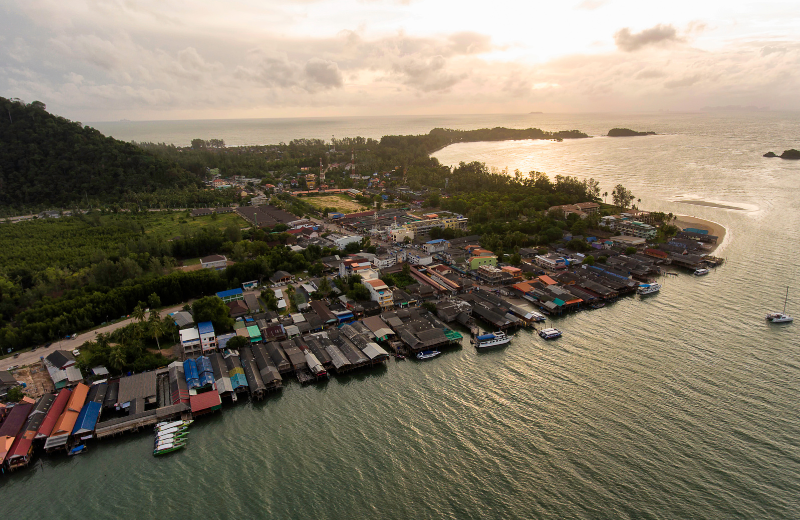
492, 339
701, 272
77, 450
550, 333
648, 288
427, 354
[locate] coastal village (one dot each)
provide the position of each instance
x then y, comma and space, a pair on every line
451, 289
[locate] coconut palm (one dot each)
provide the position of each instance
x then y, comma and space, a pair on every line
117, 357
157, 327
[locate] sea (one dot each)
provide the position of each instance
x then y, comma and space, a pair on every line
680, 405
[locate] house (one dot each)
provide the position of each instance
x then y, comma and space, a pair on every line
217, 262
231, 295
61, 359
208, 340
190, 342
341, 241
551, 261
379, 292
237, 308
200, 212
281, 277
7, 382
475, 262
251, 301
436, 246
182, 319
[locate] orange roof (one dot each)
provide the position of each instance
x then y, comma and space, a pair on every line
546, 279
67, 420
511, 269
376, 284
522, 286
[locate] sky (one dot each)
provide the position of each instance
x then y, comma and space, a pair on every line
104, 60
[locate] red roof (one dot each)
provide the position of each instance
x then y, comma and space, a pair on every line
55, 411
204, 402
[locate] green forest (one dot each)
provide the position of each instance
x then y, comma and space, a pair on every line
47, 161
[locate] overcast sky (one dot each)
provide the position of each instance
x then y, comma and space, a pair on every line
99, 60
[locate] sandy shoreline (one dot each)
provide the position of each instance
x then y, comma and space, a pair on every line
684, 221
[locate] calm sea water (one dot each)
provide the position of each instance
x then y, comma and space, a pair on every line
681, 405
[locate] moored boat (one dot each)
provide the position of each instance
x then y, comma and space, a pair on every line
427, 354
77, 450
168, 448
550, 333
492, 339
701, 272
781, 317
648, 288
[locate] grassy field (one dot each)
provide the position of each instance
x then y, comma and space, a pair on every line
169, 225
342, 203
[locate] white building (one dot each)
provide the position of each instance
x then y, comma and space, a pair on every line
384, 261
208, 339
379, 292
214, 262
550, 261
436, 246
190, 341
634, 228
342, 241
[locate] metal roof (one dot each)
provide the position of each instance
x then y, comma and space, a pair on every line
87, 420
138, 385
229, 292
205, 327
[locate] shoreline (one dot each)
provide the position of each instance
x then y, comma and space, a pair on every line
714, 228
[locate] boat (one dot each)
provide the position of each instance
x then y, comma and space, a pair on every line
492, 339
701, 272
77, 450
168, 448
427, 354
167, 425
550, 333
781, 317
598, 305
648, 288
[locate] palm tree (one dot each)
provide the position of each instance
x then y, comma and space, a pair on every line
117, 358
138, 313
157, 327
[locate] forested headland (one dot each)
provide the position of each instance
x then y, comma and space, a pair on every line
47, 161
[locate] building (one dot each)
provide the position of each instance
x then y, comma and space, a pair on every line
476, 262
217, 262
182, 319
436, 246
551, 261
635, 228
190, 342
208, 340
341, 241
582, 209
281, 277
379, 292
231, 295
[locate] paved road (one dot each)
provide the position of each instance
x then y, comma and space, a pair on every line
29, 357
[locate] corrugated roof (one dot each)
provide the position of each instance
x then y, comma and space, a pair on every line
138, 385
87, 419
205, 327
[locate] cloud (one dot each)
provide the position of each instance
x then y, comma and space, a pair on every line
470, 43
323, 73
686, 81
657, 35
591, 5
650, 74
427, 74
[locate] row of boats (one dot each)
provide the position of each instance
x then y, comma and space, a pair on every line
171, 436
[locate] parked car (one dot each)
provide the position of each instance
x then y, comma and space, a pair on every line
16, 355
47, 344
12, 367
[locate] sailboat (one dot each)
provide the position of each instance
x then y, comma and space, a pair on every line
780, 317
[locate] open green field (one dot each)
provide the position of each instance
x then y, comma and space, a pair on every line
78, 241
341, 202
168, 225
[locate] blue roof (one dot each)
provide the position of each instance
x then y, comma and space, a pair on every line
205, 327
485, 336
437, 241
87, 419
230, 292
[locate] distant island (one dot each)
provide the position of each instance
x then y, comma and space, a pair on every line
535, 112
787, 154
626, 132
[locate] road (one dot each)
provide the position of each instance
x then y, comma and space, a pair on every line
28, 357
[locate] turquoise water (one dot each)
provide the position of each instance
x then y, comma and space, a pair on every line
680, 405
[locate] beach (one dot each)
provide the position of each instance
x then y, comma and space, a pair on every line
718, 230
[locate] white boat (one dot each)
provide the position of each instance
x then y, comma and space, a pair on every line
173, 424
781, 317
701, 272
648, 288
427, 354
492, 339
550, 333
